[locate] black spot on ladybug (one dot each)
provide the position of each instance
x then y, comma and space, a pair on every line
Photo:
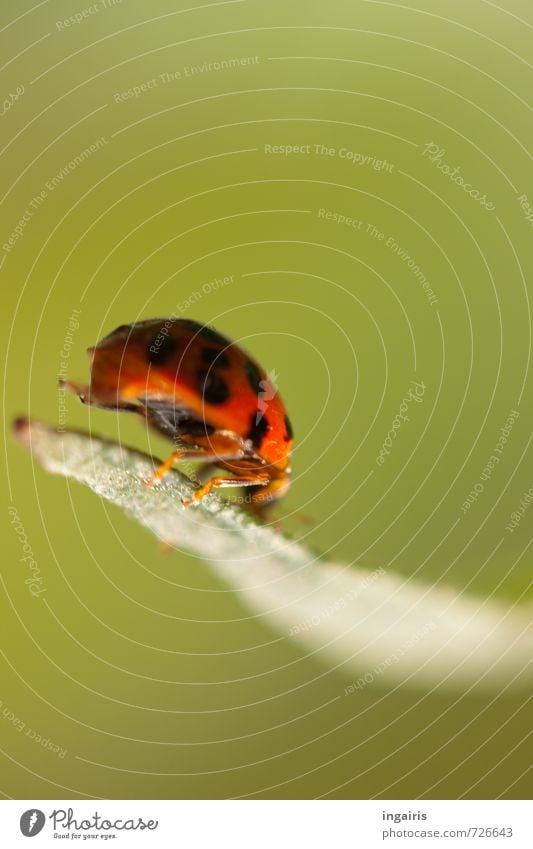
258, 428
210, 335
214, 388
204, 332
289, 430
254, 376
190, 324
160, 350
172, 421
212, 356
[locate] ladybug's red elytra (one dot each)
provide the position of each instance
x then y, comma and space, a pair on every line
202, 391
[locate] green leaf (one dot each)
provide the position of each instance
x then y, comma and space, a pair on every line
373, 626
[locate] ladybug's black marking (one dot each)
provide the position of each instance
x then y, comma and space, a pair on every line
212, 356
258, 429
204, 332
190, 324
254, 376
210, 335
214, 388
173, 421
288, 428
160, 350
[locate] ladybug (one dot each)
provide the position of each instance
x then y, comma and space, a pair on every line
205, 393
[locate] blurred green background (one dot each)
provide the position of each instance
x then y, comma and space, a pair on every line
147, 151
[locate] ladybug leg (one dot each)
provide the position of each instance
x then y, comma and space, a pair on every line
179, 454
266, 496
267, 489
209, 448
257, 478
164, 467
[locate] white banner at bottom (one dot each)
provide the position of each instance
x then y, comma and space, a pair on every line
266, 824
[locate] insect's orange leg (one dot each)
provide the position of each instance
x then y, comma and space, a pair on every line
165, 467
266, 496
259, 478
208, 448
